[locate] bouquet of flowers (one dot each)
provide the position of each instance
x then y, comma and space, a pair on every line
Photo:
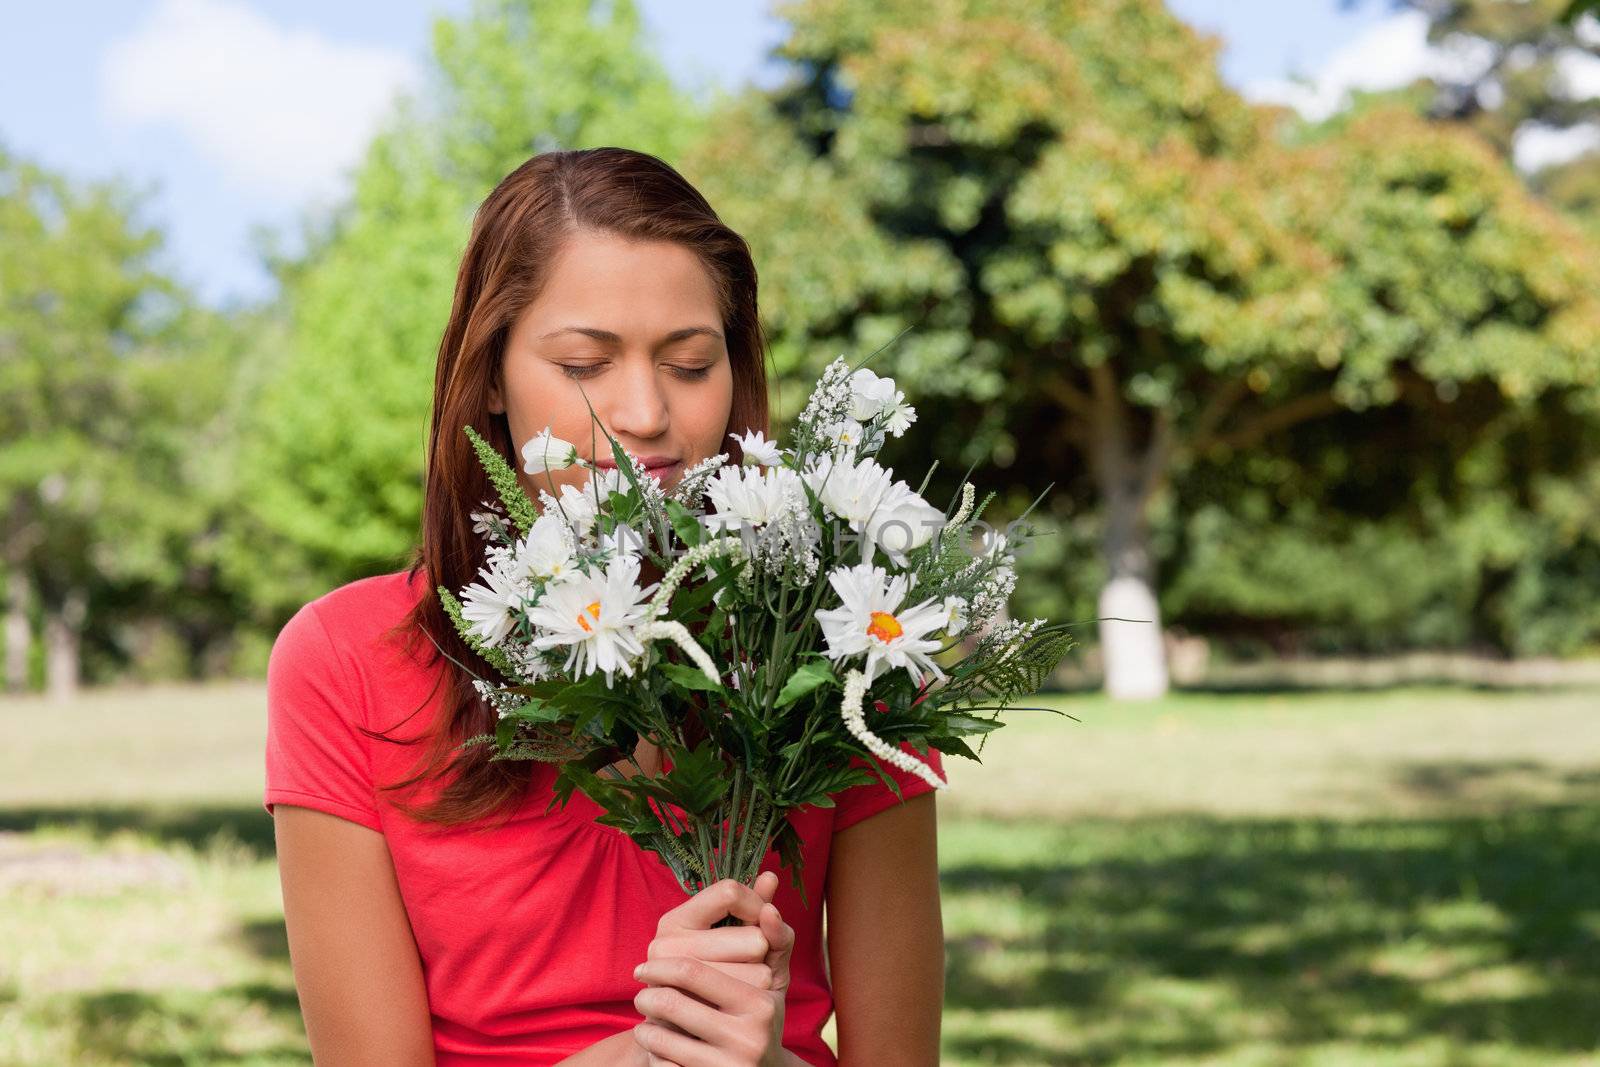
806, 611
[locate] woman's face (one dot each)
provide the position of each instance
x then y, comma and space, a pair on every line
634, 326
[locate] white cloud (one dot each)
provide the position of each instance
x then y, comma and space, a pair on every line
1396, 52
1537, 146
1587, 29
1578, 74
283, 111
1393, 53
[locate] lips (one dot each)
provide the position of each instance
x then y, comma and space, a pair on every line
659, 467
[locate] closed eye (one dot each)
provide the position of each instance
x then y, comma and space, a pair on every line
589, 370
586, 370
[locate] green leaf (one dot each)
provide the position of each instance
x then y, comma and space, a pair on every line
699, 779
805, 678
819, 786
953, 746
504, 731
691, 597
537, 710
685, 676
685, 525
962, 725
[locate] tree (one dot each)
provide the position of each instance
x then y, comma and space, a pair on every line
1533, 80
103, 391
332, 454
1120, 272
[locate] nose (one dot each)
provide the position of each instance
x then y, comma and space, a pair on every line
638, 408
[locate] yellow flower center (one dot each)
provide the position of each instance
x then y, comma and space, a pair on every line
594, 610
884, 627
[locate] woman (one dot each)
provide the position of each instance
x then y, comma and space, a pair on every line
437, 913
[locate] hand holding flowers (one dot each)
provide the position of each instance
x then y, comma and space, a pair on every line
717, 996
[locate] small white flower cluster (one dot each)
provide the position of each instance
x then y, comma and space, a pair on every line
855, 689
876, 407
828, 403
1007, 637
490, 522
691, 487
996, 587
499, 701
887, 512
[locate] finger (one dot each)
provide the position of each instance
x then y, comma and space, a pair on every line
753, 974
674, 1048
719, 899
780, 935
703, 980
665, 1004
767, 885
728, 944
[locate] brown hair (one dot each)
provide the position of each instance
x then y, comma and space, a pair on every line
516, 233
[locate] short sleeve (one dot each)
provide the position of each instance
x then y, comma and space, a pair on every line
860, 801
316, 757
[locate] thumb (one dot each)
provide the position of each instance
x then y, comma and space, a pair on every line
766, 886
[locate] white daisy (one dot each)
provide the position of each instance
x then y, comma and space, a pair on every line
901, 521
546, 550
596, 616
491, 608
748, 497
870, 395
757, 449
624, 541
852, 491
871, 622
901, 416
542, 452
578, 504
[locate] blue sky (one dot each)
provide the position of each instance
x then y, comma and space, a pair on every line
238, 113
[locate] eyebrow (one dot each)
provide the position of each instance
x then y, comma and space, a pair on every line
681, 334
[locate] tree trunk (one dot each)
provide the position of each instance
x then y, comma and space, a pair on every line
63, 627
19, 636
1133, 652
1127, 475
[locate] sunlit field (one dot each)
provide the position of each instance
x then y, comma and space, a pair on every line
1398, 879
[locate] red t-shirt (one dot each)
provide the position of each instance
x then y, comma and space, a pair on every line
528, 932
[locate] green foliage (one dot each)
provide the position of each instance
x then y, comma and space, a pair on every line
1116, 267
805, 678
493, 656
519, 509
114, 406
331, 453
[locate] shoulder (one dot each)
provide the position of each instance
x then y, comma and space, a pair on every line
373, 603
345, 631
355, 614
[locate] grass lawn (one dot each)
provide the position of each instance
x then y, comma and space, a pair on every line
1395, 879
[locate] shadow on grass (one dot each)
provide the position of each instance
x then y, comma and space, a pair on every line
1188, 936
136, 1026
1139, 939
197, 826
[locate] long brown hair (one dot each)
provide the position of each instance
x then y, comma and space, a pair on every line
516, 233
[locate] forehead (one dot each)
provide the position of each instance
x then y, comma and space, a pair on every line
638, 289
